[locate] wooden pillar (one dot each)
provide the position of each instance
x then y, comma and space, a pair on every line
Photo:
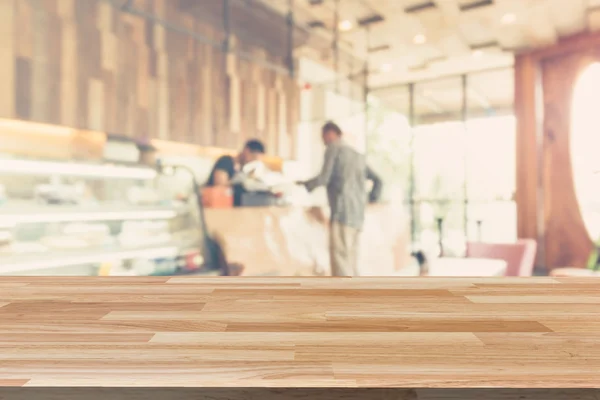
529, 194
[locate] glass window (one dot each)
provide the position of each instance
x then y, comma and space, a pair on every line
464, 172
439, 165
345, 105
439, 173
491, 179
388, 143
490, 93
585, 142
491, 157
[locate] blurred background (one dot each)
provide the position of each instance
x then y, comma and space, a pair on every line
478, 115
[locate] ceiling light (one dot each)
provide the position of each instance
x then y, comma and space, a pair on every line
345, 25
478, 53
420, 39
387, 67
509, 18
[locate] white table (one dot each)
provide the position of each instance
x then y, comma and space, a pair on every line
466, 267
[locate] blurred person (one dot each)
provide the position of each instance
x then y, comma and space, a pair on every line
216, 192
252, 154
344, 174
252, 168
222, 172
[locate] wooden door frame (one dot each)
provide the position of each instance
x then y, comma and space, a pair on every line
561, 235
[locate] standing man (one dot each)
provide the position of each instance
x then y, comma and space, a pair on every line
344, 174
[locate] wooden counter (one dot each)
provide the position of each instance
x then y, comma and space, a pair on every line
300, 332
294, 241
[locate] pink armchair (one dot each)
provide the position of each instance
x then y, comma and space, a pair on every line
519, 256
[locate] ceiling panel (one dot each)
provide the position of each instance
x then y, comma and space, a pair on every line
454, 45
540, 30
513, 24
444, 39
568, 17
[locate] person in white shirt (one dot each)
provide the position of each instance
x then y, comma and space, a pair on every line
251, 170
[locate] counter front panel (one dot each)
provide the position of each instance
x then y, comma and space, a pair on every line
294, 241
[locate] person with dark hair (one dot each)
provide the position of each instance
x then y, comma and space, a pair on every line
255, 146
251, 167
222, 172
344, 174
253, 151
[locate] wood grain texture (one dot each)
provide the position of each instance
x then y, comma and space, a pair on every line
300, 332
85, 393
567, 240
526, 195
9, 51
88, 65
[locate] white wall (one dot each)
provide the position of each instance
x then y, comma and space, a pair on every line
319, 104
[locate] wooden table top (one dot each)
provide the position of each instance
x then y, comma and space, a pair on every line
300, 332
466, 267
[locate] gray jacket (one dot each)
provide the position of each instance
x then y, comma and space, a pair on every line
344, 174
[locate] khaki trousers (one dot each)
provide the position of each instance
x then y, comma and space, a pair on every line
343, 249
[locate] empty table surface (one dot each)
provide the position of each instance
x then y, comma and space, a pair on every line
300, 332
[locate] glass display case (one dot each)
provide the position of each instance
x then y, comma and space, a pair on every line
76, 218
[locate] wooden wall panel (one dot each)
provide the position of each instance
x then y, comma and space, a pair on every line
88, 65
9, 19
24, 93
67, 96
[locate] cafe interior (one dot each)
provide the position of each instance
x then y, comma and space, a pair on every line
477, 115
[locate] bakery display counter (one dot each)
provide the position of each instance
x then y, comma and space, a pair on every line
25, 213
79, 218
89, 260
